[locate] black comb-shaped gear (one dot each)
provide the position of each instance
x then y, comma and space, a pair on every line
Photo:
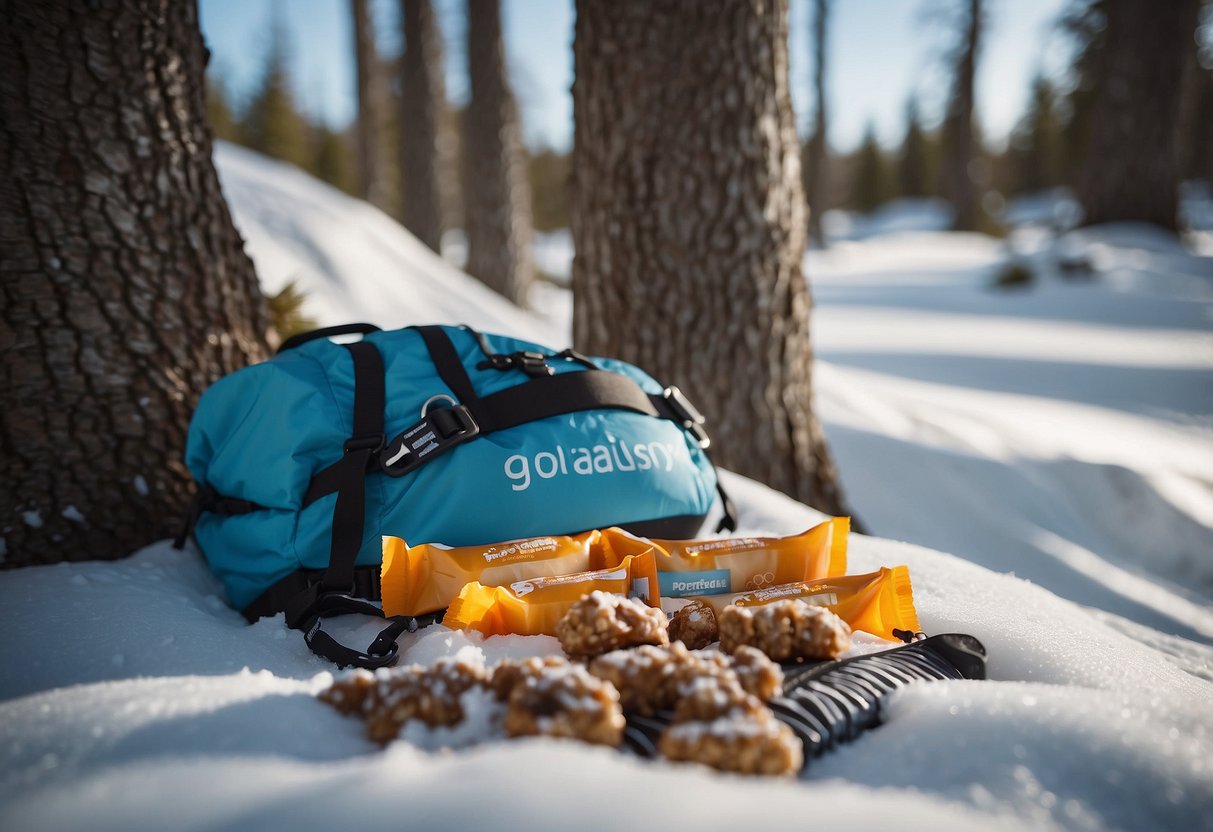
832, 702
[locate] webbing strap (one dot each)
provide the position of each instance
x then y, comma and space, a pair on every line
366, 440
333, 593
450, 368
565, 393
545, 396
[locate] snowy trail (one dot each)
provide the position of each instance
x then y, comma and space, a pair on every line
1064, 434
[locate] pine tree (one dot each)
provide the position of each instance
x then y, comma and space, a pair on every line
496, 194
817, 152
689, 223
869, 187
1132, 166
219, 111
370, 124
124, 287
331, 160
1035, 150
913, 162
960, 148
421, 141
1196, 134
272, 124
549, 177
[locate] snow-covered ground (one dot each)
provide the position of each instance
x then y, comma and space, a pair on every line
1057, 441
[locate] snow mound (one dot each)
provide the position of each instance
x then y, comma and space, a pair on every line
354, 262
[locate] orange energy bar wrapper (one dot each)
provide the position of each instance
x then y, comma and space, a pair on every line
877, 603
532, 606
688, 568
421, 579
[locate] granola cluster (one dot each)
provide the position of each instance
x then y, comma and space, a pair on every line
388, 699
555, 701
785, 630
719, 725
652, 679
602, 621
694, 625
549, 697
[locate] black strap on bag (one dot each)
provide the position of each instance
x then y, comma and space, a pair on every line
553, 395
333, 593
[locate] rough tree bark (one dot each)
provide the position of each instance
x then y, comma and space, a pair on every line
816, 163
1132, 166
368, 124
126, 289
688, 219
496, 193
958, 124
422, 123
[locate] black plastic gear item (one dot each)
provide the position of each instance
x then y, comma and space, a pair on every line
828, 703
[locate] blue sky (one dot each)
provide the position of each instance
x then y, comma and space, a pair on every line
880, 53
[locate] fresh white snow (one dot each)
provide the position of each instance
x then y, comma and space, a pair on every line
1056, 441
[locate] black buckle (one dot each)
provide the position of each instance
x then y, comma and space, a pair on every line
688, 415
438, 431
534, 364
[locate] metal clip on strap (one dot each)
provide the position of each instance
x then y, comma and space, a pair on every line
688, 415
437, 432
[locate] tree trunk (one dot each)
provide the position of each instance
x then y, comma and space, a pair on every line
126, 287
958, 125
816, 163
689, 223
1132, 170
369, 123
496, 193
422, 120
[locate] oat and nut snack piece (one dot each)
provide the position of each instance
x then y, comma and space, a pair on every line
602, 621
565, 702
649, 678
784, 630
430, 694
694, 625
510, 673
756, 673
739, 744
349, 692
720, 725
711, 697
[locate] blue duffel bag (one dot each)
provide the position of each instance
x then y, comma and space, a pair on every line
434, 434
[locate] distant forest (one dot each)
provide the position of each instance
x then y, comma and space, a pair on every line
1050, 147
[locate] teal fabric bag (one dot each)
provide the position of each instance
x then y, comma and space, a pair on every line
433, 434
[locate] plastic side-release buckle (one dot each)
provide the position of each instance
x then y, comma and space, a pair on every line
534, 364
688, 415
438, 431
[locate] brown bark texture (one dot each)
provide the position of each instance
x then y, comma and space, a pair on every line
496, 192
369, 123
1132, 162
816, 163
958, 124
422, 123
126, 289
688, 218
